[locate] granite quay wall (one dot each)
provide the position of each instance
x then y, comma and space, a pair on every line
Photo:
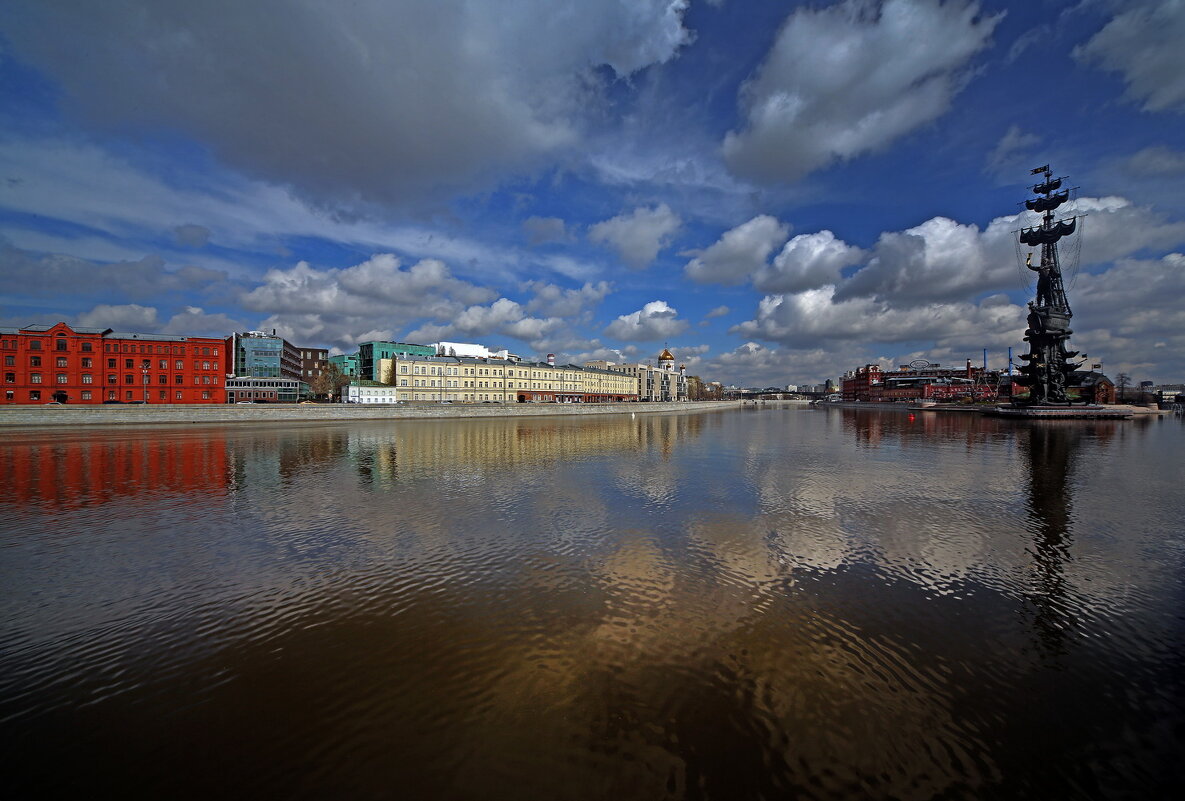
40, 416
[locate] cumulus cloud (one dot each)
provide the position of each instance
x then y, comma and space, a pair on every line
639, 236
719, 311
557, 301
1143, 43
739, 253
197, 322
814, 318
369, 99
337, 305
125, 317
851, 78
807, 261
502, 318
943, 260
544, 230
656, 320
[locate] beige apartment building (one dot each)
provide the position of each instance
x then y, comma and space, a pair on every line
461, 379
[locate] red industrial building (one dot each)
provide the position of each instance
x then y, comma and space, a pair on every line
923, 381
47, 363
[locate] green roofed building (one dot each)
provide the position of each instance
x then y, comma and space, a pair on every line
371, 353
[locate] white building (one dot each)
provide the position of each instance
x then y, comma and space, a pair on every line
472, 351
662, 383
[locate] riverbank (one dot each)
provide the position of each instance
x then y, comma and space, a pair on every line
120, 414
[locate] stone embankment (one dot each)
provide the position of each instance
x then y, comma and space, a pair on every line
219, 414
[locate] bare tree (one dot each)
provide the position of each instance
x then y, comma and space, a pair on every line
1122, 382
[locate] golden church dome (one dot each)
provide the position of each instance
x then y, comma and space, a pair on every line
666, 356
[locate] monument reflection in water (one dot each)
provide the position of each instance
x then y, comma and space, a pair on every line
745, 604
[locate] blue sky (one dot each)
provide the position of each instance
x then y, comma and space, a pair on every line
777, 191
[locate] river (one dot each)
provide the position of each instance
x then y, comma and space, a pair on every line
751, 603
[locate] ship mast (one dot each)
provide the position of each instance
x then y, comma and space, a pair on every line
1048, 369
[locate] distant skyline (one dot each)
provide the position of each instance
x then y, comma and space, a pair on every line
776, 191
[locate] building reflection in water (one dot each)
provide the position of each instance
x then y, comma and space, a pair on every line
93, 467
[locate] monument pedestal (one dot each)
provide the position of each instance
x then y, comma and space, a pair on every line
1059, 412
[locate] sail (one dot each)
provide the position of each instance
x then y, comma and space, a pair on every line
1048, 186
1047, 236
1043, 204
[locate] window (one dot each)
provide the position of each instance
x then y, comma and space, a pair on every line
111, 364
111, 379
10, 361
86, 394
127, 363
86, 362
164, 364
35, 394
35, 344
62, 378
180, 365
129, 379
216, 367
178, 396
206, 394
110, 394
127, 395
60, 344
205, 365
35, 378
87, 378
34, 361
61, 362
162, 379
163, 395
86, 347
215, 353
179, 379
146, 364
10, 378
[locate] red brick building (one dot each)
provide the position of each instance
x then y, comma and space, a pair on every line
44, 363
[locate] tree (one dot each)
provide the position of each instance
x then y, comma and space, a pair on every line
329, 383
1121, 384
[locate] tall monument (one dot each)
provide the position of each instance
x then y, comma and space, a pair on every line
1047, 367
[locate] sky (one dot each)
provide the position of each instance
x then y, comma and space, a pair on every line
776, 191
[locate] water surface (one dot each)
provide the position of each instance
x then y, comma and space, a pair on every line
773, 603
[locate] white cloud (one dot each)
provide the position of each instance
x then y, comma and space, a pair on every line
807, 261
1144, 44
196, 322
814, 318
336, 305
556, 301
851, 78
719, 311
656, 320
370, 99
739, 253
126, 317
943, 260
502, 318
639, 236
